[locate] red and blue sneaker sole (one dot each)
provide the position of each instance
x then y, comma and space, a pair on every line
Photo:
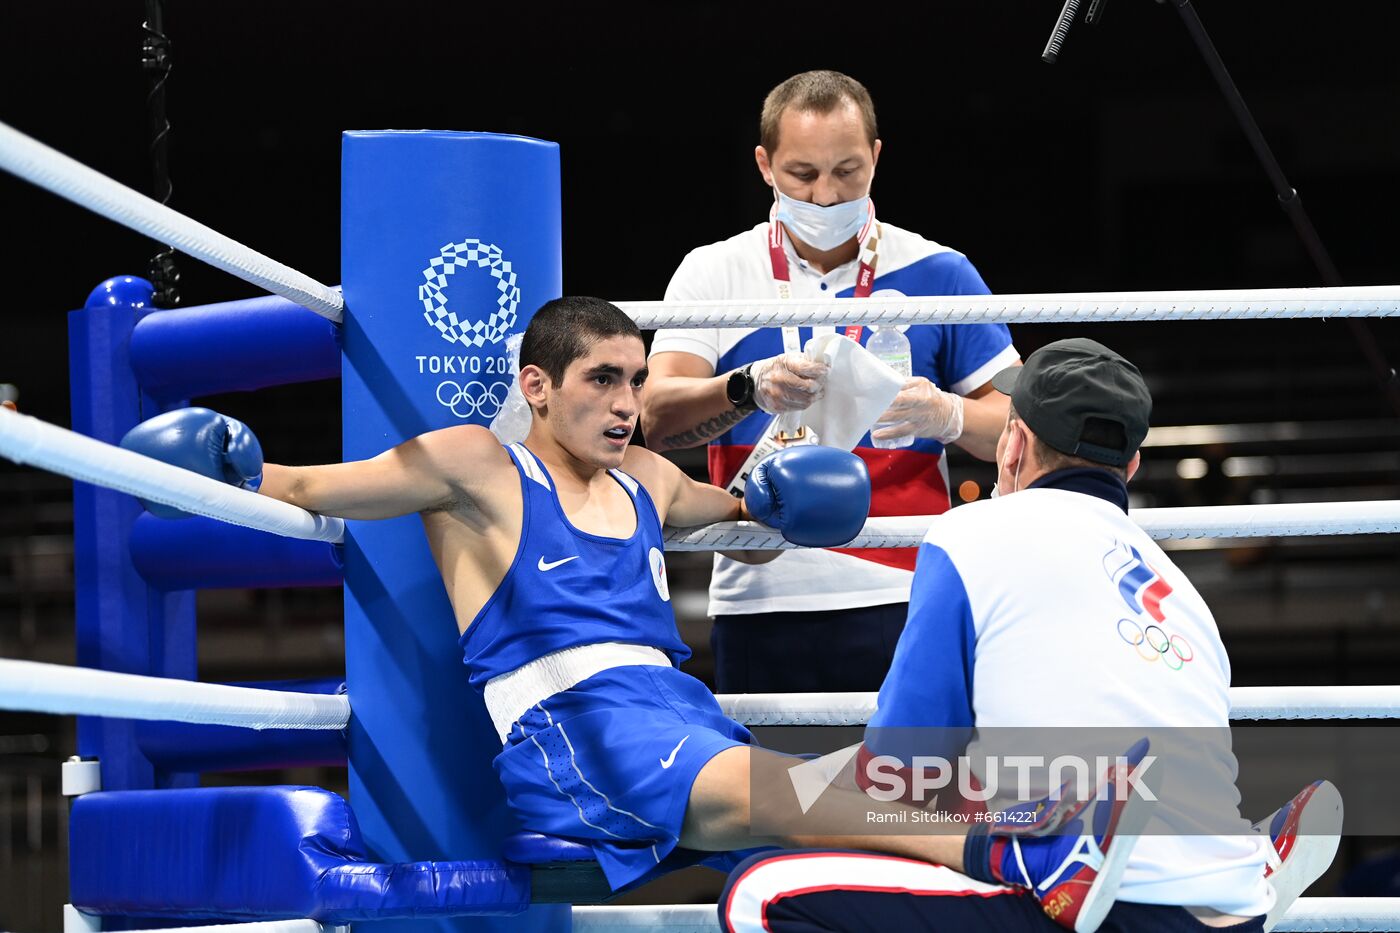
1305, 834
1083, 900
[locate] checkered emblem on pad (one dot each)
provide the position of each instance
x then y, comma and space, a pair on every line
458, 328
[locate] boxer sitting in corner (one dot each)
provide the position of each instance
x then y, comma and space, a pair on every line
551, 553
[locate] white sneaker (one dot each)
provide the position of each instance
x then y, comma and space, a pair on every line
1303, 838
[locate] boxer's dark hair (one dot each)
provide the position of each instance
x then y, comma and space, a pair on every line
562, 330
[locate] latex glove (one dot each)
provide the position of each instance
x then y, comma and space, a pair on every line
789, 382
923, 410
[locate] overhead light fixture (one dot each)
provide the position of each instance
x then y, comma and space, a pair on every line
1191, 468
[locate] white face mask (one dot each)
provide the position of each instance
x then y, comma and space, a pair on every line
1015, 480
820, 227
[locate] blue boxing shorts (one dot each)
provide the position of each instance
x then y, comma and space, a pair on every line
610, 762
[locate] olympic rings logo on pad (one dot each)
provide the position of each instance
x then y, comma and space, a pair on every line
473, 398
456, 328
1153, 642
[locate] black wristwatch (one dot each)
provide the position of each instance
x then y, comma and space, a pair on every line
740, 389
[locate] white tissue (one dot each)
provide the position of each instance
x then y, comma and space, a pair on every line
858, 390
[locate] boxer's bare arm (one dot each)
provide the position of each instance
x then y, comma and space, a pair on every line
437, 470
681, 501
684, 503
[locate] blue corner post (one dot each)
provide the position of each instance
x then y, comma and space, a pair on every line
449, 243
122, 623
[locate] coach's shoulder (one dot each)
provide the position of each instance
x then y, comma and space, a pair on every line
970, 526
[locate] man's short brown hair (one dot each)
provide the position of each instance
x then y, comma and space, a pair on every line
818, 92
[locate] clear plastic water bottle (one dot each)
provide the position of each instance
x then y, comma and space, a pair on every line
891, 347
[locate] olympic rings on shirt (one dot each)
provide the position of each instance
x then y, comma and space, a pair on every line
1174, 650
473, 398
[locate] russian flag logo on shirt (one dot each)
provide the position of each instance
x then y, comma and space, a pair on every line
1141, 587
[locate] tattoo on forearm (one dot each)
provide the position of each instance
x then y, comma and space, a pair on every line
706, 429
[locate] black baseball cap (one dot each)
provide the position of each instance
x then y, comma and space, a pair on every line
1082, 399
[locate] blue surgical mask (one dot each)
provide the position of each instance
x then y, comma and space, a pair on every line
820, 227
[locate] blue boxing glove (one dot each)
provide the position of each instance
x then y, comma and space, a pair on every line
203, 441
816, 496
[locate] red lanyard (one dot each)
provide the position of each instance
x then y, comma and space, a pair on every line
865, 272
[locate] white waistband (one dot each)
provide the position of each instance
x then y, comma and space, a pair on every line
508, 696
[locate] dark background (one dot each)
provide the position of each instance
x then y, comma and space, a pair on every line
1118, 168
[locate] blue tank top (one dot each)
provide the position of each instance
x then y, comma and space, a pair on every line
567, 587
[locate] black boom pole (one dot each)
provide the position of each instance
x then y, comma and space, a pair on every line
1288, 197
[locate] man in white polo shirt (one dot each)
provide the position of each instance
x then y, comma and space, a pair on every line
821, 619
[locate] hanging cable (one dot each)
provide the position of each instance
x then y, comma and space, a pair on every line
156, 62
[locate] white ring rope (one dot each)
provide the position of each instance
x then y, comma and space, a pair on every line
77, 921
70, 179
798, 709
1350, 914
64, 176
35, 687
1223, 521
672, 918
57, 688
1347, 702
855, 709
1068, 308
25, 439
1359, 914
1280, 519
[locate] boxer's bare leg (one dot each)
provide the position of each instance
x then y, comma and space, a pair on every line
719, 815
